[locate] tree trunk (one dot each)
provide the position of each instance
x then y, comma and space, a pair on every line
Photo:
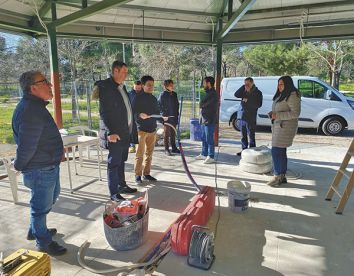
224, 69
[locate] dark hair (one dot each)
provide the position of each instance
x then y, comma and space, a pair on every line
118, 64
137, 82
27, 79
145, 79
211, 80
167, 82
249, 79
288, 88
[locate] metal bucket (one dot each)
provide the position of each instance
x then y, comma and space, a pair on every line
127, 237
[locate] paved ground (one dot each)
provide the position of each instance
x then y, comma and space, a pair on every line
289, 230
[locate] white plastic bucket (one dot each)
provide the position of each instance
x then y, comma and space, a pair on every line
239, 195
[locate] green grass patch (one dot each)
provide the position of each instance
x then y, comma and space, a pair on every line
350, 94
185, 134
347, 87
6, 111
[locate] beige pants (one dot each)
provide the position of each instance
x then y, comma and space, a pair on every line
144, 152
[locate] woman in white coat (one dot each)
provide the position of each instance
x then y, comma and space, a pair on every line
284, 115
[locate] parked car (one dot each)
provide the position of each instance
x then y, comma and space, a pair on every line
322, 106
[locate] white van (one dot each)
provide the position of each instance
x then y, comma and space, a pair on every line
322, 106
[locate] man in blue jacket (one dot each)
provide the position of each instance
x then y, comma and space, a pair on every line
116, 125
251, 100
38, 156
145, 107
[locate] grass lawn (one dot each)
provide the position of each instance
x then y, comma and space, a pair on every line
6, 111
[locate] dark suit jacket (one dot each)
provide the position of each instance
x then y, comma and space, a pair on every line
113, 113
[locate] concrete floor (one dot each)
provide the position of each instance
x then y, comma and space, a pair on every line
289, 230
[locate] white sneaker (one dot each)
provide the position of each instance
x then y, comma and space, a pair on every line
209, 160
200, 157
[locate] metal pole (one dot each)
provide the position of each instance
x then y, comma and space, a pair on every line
218, 80
88, 99
229, 13
54, 69
123, 44
194, 96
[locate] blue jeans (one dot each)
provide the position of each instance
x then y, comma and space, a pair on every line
115, 168
208, 148
247, 130
45, 188
280, 160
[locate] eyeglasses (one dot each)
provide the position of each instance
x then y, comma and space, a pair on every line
45, 81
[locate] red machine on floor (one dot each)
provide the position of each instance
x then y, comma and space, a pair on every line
197, 212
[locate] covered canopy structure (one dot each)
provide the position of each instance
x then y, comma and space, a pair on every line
209, 22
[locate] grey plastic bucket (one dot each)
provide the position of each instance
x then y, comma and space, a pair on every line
127, 237
239, 195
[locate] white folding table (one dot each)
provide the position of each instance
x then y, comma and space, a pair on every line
80, 142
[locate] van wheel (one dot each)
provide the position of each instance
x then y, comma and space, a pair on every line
333, 126
236, 124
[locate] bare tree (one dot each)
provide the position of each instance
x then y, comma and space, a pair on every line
71, 52
334, 55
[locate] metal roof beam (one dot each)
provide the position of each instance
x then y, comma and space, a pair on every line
333, 4
89, 11
273, 34
157, 9
76, 3
245, 7
17, 27
44, 9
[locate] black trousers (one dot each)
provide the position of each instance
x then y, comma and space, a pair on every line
169, 137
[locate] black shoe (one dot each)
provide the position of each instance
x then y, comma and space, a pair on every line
127, 190
117, 198
149, 178
176, 150
31, 237
168, 153
138, 180
53, 249
239, 153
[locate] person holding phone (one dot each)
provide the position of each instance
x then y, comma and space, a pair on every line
252, 99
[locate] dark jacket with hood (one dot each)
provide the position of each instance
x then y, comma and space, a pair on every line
248, 110
38, 140
169, 106
209, 107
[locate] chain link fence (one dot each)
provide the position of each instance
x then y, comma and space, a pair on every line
78, 108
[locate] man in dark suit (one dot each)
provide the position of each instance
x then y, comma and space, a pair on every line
251, 100
116, 125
